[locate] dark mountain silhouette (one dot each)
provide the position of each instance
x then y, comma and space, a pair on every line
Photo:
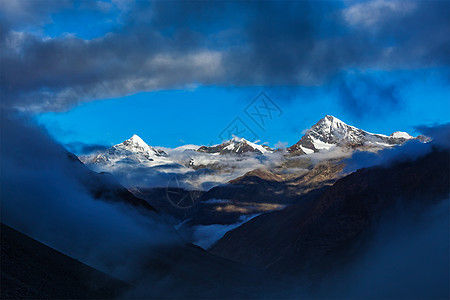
32, 270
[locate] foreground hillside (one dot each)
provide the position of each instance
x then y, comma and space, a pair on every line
32, 270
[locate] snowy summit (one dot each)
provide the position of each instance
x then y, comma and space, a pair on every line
236, 145
131, 150
330, 132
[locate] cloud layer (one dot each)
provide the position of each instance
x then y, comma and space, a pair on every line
164, 45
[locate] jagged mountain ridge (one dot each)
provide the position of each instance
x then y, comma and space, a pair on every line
236, 145
326, 133
330, 131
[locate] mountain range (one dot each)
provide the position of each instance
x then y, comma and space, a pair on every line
221, 184
327, 133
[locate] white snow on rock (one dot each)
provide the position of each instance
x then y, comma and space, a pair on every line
401, 134
306, 150
236, 145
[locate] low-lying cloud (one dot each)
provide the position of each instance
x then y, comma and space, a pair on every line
206, 235
43, 197
212, 170
409, 151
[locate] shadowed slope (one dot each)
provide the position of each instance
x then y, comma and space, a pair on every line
30, 269
313, 236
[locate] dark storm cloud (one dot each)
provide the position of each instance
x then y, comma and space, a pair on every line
83, 148
439, 133
21, 14
162, 45
364, 94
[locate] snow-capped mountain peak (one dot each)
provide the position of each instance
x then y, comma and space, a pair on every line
330, 132
332, 121
136, 145
235, 145
135, 140
133, 149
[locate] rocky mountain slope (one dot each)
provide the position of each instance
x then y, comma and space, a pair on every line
255, 192
316, 235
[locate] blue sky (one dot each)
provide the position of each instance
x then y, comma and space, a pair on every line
96, 72
197, 116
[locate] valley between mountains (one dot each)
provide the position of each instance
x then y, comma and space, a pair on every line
208, 190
